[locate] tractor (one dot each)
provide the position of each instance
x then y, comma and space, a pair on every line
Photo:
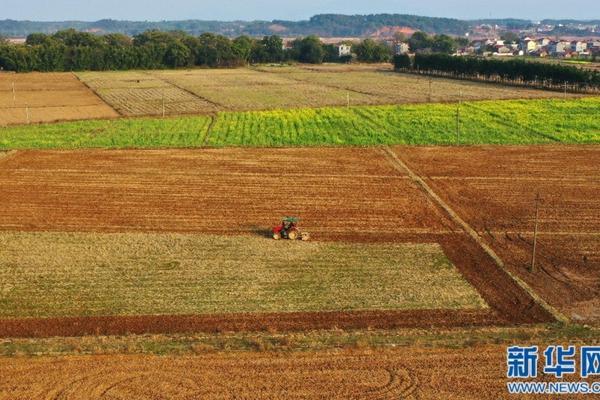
288, 229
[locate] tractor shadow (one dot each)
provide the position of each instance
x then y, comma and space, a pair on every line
261, 232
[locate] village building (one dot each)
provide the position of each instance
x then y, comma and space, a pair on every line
401, 48
344, 50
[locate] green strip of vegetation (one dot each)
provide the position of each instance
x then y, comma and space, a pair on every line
114, 134
575, 121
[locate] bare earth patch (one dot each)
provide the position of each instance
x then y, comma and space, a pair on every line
48, 97
494, 189
405, 373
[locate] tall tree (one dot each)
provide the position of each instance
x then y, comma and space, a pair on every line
309, 50
371, 51
242, 46
443, 44
274, 47
420, 41
178, 55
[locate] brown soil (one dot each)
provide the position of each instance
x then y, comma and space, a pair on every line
49, 97
221, 191
493, 189
293, 321
403, 373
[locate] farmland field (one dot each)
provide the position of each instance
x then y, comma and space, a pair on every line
387, 87
203, 91
47, 97
494, 189
242, 192
405, 373
166, 252
486, 122
246, 89
135, 251
137, 274
410, 372
139, 93
213, 191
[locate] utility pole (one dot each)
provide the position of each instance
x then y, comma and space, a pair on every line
163, 103
429, 90
535, 231
27, 113
13, 90
348, 99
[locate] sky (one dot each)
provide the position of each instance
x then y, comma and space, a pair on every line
227, 10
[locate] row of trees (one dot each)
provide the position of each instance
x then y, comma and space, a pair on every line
421, 42
322, 25
71, 50
506, 70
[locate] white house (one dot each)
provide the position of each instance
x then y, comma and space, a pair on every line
528, 45
401, 48
344, 50
558, 48
578, 46
541, 42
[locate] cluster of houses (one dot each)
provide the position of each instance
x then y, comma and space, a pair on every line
526, 46
536, 47
345, 48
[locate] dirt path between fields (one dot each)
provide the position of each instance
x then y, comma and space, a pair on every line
246, 322
95, 93
218, 106
402, 167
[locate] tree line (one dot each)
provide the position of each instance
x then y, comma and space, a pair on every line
535, 73
421, 42
71, 50
322, 25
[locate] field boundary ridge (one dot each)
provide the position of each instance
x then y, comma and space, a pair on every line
402, 167
218, 106
93, 91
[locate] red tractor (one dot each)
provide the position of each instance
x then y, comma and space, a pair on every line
289, 230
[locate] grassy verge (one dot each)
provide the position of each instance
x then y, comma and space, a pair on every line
480, 122
61, 274
301, 341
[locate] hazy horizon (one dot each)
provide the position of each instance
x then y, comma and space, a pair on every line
232, 10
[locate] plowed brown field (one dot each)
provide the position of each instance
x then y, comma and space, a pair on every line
48, 97
494, 190
341, 194
336, 191
404, 373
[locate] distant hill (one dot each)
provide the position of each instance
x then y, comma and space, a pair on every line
325, 25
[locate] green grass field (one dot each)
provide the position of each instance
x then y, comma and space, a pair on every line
480, 122
83, 274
